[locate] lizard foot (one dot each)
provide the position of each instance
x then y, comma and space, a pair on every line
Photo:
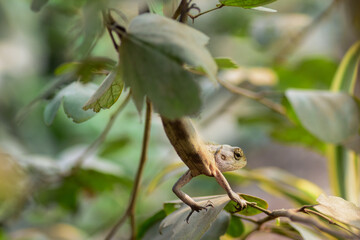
197, 208
241, 203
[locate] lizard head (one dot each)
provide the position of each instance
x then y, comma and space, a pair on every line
229, 158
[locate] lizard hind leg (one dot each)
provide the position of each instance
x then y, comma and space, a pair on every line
183, 180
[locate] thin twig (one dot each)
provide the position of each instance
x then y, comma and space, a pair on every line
296, 215
210, 10
254, 96
130, 211
94, 145
295, 41
330, 221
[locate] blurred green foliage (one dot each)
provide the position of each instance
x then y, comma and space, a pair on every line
48, 46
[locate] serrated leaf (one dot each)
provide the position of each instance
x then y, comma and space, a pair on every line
174, 225
107, 94
332, 117
152, 57
249, 210
340, 209
236, 227
174, 39
245, 3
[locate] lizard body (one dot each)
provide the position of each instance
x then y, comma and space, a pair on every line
202, 158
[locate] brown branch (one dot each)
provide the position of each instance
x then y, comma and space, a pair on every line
130, 211
329, 220
296, 215
295, 41
95, 144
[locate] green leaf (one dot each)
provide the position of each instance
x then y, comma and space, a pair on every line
332, 117
153, 54
73, 98
225, 63
90, 179
174, 225
245, 3
339, 209
236, 227
310, 73
249, 210
107, 94
344, 164
52, 108
346, 74
170, 207
145, 226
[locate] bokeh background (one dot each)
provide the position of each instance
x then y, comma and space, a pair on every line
37, 198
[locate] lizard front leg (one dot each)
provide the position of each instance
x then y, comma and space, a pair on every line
183, 180
225, 185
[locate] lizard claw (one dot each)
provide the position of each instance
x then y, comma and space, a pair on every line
241, 203
198, 208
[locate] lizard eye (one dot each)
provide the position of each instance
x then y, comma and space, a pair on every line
238, 154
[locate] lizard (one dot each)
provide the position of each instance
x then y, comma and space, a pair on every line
202, 158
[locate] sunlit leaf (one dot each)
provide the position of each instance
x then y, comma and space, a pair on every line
346, 74
225, 63
245, 3
73, 98
332, 117
340, 209
174, 225
236, 227
264, 9
107, 94
152, 57
249, 210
